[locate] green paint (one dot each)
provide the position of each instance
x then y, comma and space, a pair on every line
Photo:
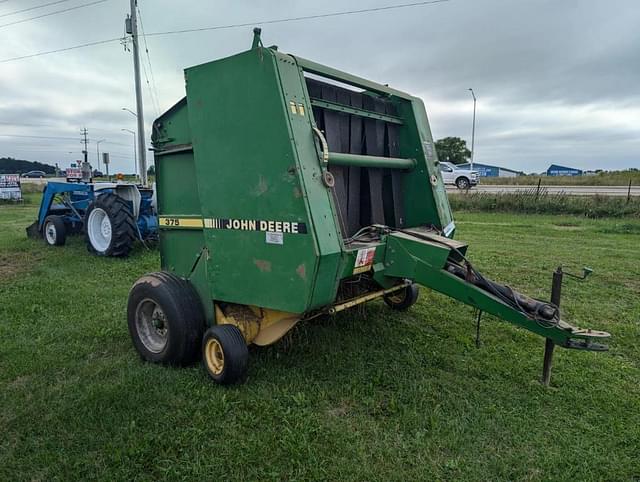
240, 152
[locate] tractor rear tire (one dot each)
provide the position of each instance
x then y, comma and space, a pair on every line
165, 319
225, 355
109, 226
403, 299
54, 231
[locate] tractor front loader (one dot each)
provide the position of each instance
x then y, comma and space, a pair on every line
289, 190
111, 215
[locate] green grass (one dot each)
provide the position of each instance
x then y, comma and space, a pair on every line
373, 396
612, 178
528, 202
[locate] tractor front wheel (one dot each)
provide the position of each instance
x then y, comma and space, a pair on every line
225, 354
110, 226
165, 319
54, 231
403, 299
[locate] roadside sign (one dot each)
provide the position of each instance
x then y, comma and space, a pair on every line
10, 187
74, 174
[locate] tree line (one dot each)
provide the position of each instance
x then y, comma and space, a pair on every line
9, 165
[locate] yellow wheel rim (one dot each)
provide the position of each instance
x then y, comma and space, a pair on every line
215, 356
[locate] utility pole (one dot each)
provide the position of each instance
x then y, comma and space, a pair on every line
131, 25
84, 141
473, 129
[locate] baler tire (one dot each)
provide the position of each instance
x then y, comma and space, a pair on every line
56, 223
182, 312
403, 299
123, 225
232, 354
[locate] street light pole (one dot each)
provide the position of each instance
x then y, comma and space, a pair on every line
135, 155
473, 129
98, 151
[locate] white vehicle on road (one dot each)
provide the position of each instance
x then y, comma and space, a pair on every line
461, 178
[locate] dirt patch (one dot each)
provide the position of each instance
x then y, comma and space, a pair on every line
15, 264
567, 226
341, 410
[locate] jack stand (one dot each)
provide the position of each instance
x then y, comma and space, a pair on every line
549, 345
478, 329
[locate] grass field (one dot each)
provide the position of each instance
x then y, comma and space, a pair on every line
377, 395
527, 202
613, 178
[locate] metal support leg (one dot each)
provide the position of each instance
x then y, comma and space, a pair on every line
549, 345
556, 292
478, 329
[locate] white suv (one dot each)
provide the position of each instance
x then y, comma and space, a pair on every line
462, 178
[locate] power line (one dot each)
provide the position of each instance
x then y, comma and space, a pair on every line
220, 27
33, 8
53, 13
89, 44
22, 136
297, 19
153, 80
40, 137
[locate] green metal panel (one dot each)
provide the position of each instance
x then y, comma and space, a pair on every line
247, 170
319, 201
172, 127
334, 74
425, 195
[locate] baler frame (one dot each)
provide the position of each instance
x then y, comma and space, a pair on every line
288, 183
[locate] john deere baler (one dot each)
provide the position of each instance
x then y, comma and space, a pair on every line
288, 190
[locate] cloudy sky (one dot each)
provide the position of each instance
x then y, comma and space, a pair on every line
557, 81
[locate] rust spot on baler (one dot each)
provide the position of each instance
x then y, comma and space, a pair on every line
263, 265
302, 272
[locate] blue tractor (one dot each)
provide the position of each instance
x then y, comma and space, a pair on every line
112, 216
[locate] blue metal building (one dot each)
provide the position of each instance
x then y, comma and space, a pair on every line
556, 170
486, 170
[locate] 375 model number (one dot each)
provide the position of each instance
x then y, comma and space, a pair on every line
171, 222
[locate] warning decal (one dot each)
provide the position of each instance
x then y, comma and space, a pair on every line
364, 260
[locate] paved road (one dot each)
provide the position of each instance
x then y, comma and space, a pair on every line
573, 190
494, 188
28, 180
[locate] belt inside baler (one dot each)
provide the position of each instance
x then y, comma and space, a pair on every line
364, 156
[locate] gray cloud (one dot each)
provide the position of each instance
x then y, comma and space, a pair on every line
556, 81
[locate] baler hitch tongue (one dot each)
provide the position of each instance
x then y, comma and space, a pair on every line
439, 263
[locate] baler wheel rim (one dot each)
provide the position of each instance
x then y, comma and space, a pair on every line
233, 354
151, 325
214, 355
